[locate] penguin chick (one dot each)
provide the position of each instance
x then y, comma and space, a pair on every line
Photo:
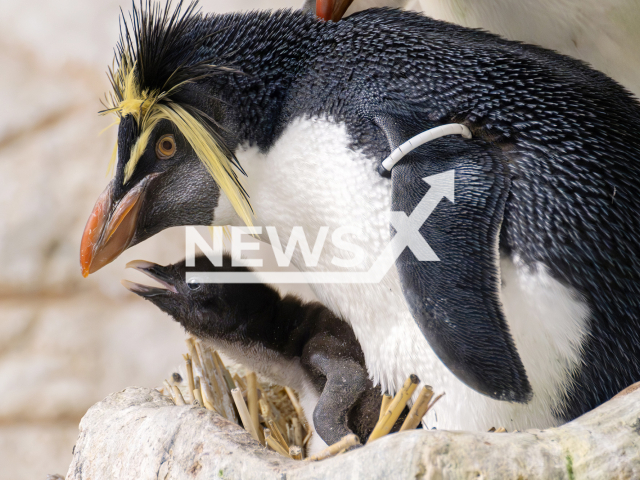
294, 343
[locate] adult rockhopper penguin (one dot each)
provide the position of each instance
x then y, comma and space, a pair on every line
297, 344
530, 316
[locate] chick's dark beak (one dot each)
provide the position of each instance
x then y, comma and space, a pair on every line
157, 272
332, 9
111, 226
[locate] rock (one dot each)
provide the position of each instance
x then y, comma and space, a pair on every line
139, 434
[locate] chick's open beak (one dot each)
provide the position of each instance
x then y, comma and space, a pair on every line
157, 273
332, 9
111, 227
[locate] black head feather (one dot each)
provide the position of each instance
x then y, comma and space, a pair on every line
163, 47
159, 61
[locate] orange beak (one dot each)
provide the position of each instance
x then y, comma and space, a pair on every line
111, 227
332, 9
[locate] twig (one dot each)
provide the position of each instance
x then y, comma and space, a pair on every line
191, 346
277, 416
177, 395
197, 394
244, 413
275, 430
207, 396
386, 400
274, 444
239, 382
224, 386
385, 424
252, 400
418, 410
346, 442
225, 373
297, 432
190, 380
296, 404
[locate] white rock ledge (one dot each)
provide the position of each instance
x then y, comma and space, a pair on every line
139, 434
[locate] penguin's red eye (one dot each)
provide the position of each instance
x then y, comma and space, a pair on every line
166, 147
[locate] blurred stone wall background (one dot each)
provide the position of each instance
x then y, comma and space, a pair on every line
66, 342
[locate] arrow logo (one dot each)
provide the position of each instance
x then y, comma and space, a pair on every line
408, 228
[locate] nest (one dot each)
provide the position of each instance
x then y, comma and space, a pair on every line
272, 414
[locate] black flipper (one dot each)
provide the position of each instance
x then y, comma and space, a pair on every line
455, 300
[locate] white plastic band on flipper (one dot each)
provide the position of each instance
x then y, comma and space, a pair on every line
421, 139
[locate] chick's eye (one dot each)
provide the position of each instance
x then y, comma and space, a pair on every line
193, 284
166, 147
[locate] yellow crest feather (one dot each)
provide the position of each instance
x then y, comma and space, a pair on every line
149, 108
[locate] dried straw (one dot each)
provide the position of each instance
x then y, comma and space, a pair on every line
197, 394
252, 400
177, 395
386, 400
274, 444
418, 410
275, 412
244, 414
223, 370
346, 442
207, 396
191, 346
240, 382
210, 385
267, 413
297, 432
386, 422
296, 403
190, 380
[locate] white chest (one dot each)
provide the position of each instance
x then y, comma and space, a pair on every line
311, 178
